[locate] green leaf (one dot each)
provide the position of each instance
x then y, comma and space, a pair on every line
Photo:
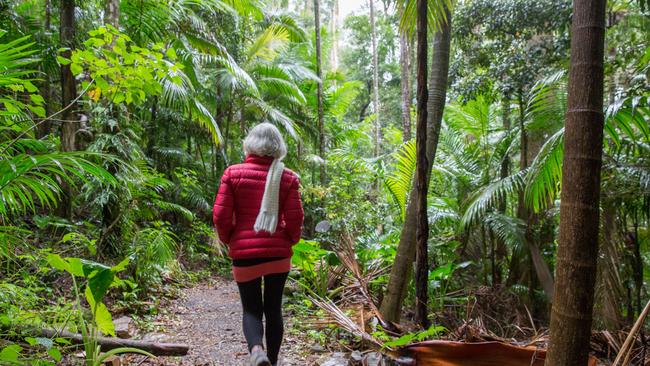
99, 283
57, 262
10, 353
76, 69
171, 54
101, 315
122, 350
63, 60
37, 98
119, 98
39, 111
76, 267
121, 266
55, 354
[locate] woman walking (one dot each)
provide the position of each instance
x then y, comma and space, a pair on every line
258, 214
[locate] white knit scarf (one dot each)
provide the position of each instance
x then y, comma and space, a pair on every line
267, 219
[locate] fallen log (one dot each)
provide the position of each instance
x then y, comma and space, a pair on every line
107, 344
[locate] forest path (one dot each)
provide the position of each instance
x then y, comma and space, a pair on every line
208, 318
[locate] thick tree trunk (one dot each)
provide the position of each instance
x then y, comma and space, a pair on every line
319, 73
402, 269
422, 228
112, 13
406, 87
375, 78
571, 314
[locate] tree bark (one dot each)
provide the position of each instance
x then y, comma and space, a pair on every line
45, 126
375, 78
501, 250
69, 126
571, 314
422, 228
68, 84
319, 73
406, 87
402, 269
539, 265
335, 36
112, 13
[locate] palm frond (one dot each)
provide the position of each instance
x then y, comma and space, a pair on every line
487, 198
27, 180
268, 44
545, 173
437, 14
400, 180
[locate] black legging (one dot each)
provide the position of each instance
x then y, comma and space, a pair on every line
270, 306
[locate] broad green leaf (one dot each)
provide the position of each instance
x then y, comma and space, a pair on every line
10, 353
55, 354
57, 262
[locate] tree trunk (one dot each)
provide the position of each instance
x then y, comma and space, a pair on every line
422, 226
404, 61
501, 250
571, 314
45, 126
541, 268
112, 13
401, 270
335, 37
319, 73
69, 126
375, 78
69, 87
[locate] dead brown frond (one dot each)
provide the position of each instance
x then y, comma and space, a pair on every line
347, 323
357, 285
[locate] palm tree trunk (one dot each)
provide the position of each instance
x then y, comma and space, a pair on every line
402, 269
422, 226
406, 87
375, 78
319, 73
571, 314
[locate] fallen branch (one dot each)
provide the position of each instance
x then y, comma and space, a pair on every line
626, 349
107, 344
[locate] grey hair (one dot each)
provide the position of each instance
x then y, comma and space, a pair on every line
265, 140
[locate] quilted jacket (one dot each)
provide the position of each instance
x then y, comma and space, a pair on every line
238, 203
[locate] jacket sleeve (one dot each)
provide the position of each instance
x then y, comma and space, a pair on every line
293, 212
223, 211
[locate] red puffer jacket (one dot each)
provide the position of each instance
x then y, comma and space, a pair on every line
238, 203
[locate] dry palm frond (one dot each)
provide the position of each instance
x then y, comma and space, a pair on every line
626, 350
347, 323
347, 255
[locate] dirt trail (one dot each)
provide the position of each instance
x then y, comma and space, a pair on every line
208, 318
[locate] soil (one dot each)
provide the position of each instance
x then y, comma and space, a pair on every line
208, 318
